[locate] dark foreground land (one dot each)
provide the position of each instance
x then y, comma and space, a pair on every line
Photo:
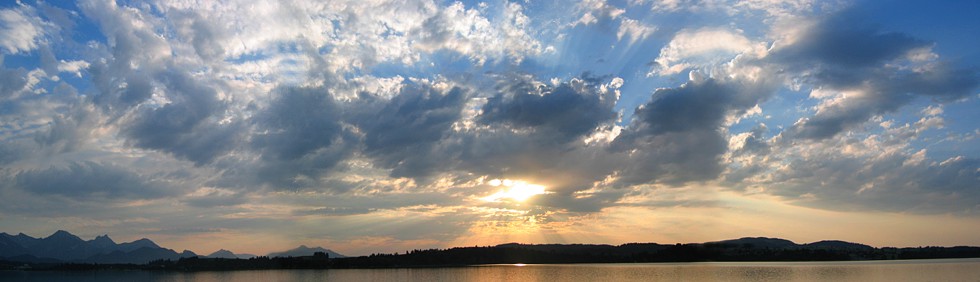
745, 249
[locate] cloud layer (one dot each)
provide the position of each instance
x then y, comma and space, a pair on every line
265, 115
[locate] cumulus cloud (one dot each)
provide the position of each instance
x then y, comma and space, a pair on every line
468, 32
404, 134
185, 127
677, 138
567, 111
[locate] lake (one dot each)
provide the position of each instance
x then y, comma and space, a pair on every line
906, 270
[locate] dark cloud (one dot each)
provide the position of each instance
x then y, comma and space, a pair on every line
888, 183
138, 88
12, 150
677, 137
187, 127
842, 42
93, 181
842, 53
566, 112
299, 136
404, 134
12, 81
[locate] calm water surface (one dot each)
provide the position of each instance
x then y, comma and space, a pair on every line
911, 270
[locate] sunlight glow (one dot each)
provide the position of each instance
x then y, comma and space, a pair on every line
514, 190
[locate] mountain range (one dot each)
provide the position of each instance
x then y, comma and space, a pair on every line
66, 247
62, 247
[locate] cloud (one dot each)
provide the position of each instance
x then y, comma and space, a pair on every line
298, 137
864, 66
12, 81
335, 211
390, 117
74, 67
566, 111
634, 30
185, 127
20, 29
202, 34
69, 131
703, 47
677, 137
468, 32
404, 133
596, 10
208, 197
890, 182
92, 181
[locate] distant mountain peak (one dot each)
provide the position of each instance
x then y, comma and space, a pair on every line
62, 235
104, 238
303, 250
103, 242
146, 242
222, 253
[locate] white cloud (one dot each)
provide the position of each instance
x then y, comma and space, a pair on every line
19, 31
74, 67
634, 30
352, 35
933, 110
594, 10
470, 33
703, 47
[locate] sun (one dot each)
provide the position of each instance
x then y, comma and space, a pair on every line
518, 191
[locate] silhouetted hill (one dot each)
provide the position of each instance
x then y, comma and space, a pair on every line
759, 242
838, 245
303, 250
222, 253
743, 249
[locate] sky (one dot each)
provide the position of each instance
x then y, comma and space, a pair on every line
384, 126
